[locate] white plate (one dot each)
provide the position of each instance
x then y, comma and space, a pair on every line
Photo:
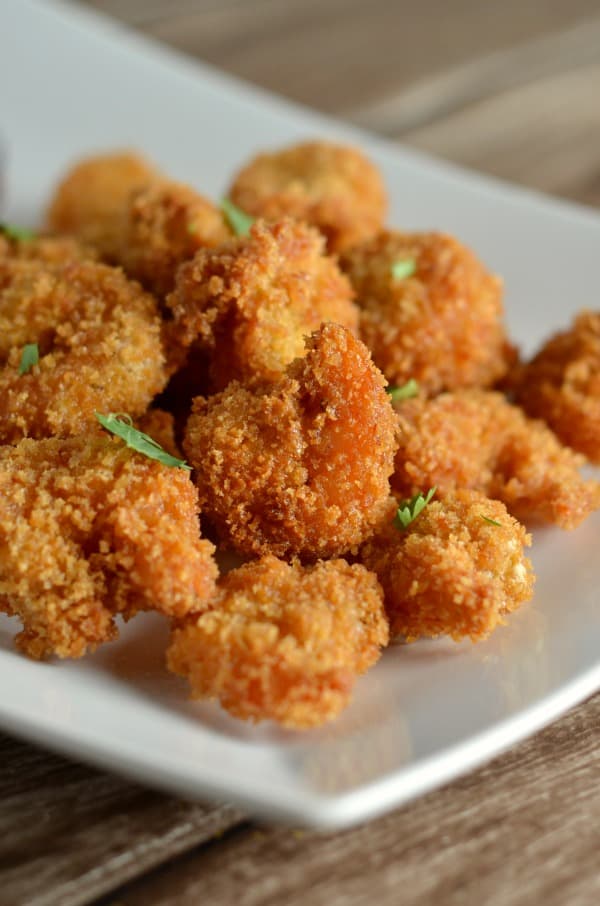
72, 82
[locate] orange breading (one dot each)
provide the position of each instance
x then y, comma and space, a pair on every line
99, 345
283, 642
477, 439
451, 572
334, 187
90, 199
89, 530
251, 302
562, 385
165, 224
441, 325
51, 249
300, 466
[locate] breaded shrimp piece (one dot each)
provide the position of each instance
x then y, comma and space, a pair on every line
283, 642
89, 530
452, 571
90, 199
250, 303
334, 187
477, 439
562, 385
99, 342
300, 466
440, 323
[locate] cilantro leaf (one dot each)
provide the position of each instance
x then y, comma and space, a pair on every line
403, 268
29, 357
408, 510
122, 426
17, 234
405, 392
491, 521
238, 220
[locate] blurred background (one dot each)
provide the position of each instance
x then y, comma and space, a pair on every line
511, 88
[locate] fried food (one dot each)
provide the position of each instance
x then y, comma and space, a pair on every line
562, 385
457, 569
439, 323
99, 342
283, 642
477, 439
250, 303
300, 466
334, 187
90, 199
51, 249
89, 530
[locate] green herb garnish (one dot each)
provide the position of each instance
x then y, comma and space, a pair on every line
17, 234
29, 357
238, 220
406, 392
491, 521
410, 509
122, 426
403, 268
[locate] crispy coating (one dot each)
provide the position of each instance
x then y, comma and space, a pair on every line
334, 187
300, 466
451, 572
477, 439
562, 385
99, 343
442, 325
51, 249
165, 224
250, 303
88, 530
283, 642
90, 199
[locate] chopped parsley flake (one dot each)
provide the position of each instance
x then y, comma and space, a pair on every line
491, 521
238, 220
122, 426
409, 509
403, 268
17, 234
406, 392
29, 357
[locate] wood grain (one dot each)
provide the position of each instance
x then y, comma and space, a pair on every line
511, 89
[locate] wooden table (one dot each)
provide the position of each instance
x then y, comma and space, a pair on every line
510, 88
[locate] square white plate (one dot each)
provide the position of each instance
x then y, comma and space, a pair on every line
72, 83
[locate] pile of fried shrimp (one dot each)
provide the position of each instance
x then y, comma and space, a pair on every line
284, 376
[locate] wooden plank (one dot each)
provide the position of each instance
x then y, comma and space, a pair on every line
69, 833
523, 830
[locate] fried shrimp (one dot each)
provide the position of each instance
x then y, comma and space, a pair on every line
250, 303
429, 310
98, 339
90, 200
89, 530
300, 466
334, 187
477, 439
562, 385
283, 642
457, 569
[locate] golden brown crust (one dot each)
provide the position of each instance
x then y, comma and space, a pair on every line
477, 439
89, 529
283, 642
562, 385
451, 572
90, 199
251, 302
333, 187
99, 343
441, 326
301, 466
51, 249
